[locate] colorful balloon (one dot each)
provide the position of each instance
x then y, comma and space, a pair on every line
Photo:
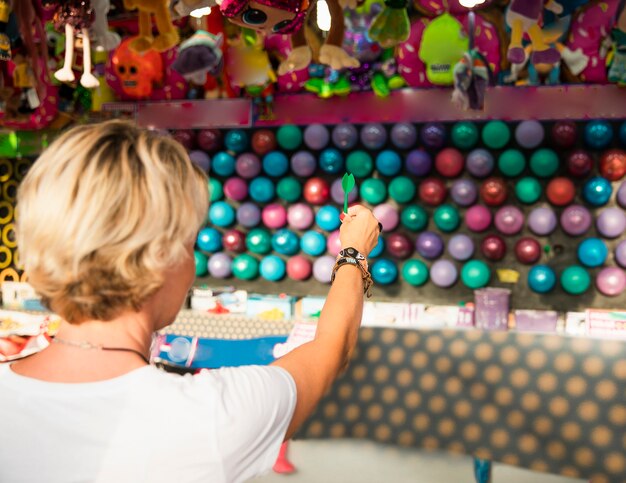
223, 164
313, 243
274, 216
316, 191
541, 279
262, 190
544, 163
493, 191
564, 134
331, 161
598, 134
289, 137
529, 134
579, 163
611, 223
613, 164
299, 268
289, 189
560, 191
402, 189
209, 140
248, 165
432, 191
464, 135
220, 266
248, 215
300, 216
333, 243
236, 189
245, 267
542, 221
433, 135
496, 134
449, 162
373, 191
443, 273
388, 163
236, 141
478, 218
273, 268
234, 241
263, 142
323, 268
216, 192
285, 242
399, 246
415, 272
480, 163
387, 215
511, 163
303, 164
359, 163
259, 241
493, 248
621, 195
200, 159
575, 280
200, 261
327, 218
185, 137
597, 191
379, 248
418, 162
221, 214
509, 220
403, 135
611, 281
336, 193
528, 190
620, 253
527, 250
447, 218
464, 192
475, 274
345, 136
275, 164
575, 220
592, 252
461, 247
429, 245
316, 136
373, 136
414, 218
384, 272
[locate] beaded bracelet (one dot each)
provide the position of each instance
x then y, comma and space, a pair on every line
367, 278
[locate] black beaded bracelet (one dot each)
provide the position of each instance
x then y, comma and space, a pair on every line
367, 278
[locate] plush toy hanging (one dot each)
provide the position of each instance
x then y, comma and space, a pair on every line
104, 37
391, 26
168, 35
5, 43
287, 17
199, 55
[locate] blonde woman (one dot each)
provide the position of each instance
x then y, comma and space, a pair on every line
107, 221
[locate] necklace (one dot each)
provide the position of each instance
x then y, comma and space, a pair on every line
83, 344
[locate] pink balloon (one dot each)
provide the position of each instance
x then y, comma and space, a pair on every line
274, 216
300, 216
236, 189
509, 220
478, 218
387, 215
611, 281
299, 268
333, 244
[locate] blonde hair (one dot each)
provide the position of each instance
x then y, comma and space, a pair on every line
103, 212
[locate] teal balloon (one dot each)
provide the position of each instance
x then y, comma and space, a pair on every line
541, 279
402, 189
414, 218
201, 262
575, 280
592, 252
289, 137
598, 134
511, 163
359, 163
373, 191
289, 189
379, 248
272, 268
446, 218
528, 190
216, 192
259, 241
544, 163
415, 272
245, 267
496, 134
475, 274
464, 135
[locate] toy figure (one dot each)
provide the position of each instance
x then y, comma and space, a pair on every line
137, 73
168, 35
287, 17
24, 79
199, 55
105, 38
5, 43
471, 78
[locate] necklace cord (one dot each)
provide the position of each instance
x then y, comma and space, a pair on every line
88, 345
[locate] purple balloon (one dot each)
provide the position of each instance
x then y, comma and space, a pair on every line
373, 136
345, 136
509, 220
248, 165
419, 162
248, 215
333, 243
478, 218
236, 189
480, 163
529, 134
336, 193
316, 136
461, 247
403, 135
220, 265
200, 159
387, 215
464, 192
433, 135
443, 273
323, 268
300, 216
621, 195
611, 223
575, 220
611, 281
303, 164
429, 245
620, 253
542, 221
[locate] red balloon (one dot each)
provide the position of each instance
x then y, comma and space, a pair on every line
449, 162
399, 246
493, 247
527, 250
234, 241
433, 191
263, 141
209, 140
579, 163
564, 134
186, 137
298, 268
316, 191
613, 164
493, 191
560, 191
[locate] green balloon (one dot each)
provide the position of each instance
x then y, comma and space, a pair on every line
511, 163
447, 218
414, 218
359, 163
415, 272
496, 134
464, 135
544, 163
201, 261
259, 241
528, 190
402, 189
245, 267
289, 137
475, 274
215, 190
289, 189
575, 280
373, 191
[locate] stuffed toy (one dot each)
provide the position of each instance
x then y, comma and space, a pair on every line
104, 37
137, 73
617, 71
199, 55
5, 42
471, 78
168, 35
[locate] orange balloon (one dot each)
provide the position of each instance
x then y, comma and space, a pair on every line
561, 191
613, 164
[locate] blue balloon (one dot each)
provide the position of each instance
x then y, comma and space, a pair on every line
388, 163
262, 190
598, 134
285, 242
622, 133
331, 161
384, 272
236, 140
272, 268
275, 164
327, 218
541, 279
313, 243
592, 252
221, 214
209, 240
379, 248
597, 191
223, 164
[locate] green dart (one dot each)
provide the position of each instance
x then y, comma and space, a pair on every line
347, 183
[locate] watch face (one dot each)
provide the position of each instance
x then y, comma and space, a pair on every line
351, 251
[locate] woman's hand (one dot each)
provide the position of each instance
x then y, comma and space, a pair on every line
359, 229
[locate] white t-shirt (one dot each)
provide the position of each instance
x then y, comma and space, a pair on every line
219, 426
